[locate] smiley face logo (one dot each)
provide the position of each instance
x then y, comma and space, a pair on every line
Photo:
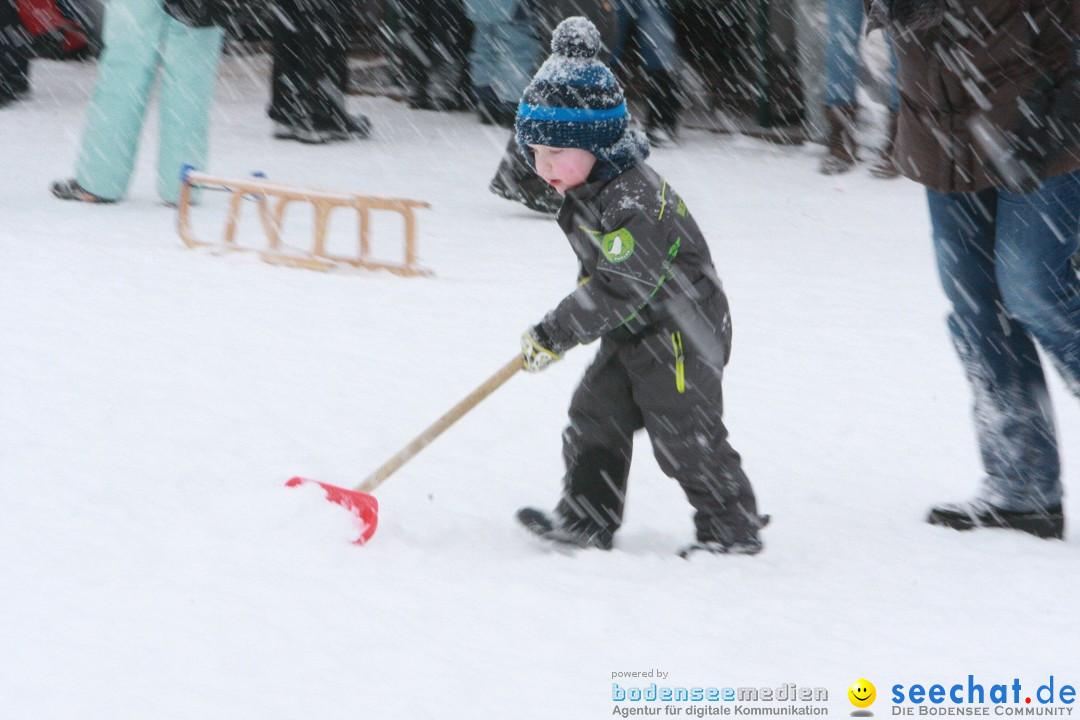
862, 693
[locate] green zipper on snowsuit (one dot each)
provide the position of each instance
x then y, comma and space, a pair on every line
680, 362
665, 268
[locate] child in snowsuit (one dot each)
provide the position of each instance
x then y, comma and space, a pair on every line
649, 292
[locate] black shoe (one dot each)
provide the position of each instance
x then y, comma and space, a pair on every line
1048, 523
543, 525
71, 190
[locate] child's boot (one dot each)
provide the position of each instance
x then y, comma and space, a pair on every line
553, 528
734, 534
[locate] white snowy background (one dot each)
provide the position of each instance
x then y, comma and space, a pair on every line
154, 399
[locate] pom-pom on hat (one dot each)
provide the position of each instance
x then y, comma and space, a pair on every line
574, 99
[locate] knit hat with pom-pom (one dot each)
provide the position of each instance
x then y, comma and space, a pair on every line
574, 99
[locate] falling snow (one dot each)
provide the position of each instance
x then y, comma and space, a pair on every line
154, 399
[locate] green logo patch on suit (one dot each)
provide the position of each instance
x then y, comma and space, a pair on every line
617, 246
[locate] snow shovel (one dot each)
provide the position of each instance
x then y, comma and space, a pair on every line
365, 506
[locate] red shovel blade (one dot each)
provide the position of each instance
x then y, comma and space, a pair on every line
364, 506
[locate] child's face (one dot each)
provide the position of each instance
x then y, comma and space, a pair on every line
563, 168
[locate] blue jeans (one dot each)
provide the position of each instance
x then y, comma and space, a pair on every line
505, 50
1005, 264
845, 18
655, 33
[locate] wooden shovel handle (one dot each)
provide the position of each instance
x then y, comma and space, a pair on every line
437, 428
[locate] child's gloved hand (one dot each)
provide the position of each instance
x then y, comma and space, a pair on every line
535, 354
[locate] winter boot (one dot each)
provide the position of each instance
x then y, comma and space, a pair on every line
532, 192
883, 166
515, 180
662, 107
553, 529
734, 538
72, 190
840, 145
1047, 523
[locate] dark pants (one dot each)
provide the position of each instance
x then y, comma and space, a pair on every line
14, 53
1005, 265
668, 383
434, 40
310, 50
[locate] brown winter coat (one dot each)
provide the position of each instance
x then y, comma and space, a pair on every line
983, 59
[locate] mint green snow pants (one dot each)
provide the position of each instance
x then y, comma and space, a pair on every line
140, 37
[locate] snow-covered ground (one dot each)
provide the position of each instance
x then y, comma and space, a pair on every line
154, 399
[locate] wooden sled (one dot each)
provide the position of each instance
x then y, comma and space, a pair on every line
272, 200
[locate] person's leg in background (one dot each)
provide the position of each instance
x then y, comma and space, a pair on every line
844, 18
287, 79
520, 54
483, 62
330, 40
1013, 419
14, 55
311, 44
449, 29
660, 60
506, 52
1038, 235
114, 120
413, 49
189, 63
486, 15
650, 24
320, 33
883, 165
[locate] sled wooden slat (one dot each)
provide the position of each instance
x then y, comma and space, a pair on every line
273, 200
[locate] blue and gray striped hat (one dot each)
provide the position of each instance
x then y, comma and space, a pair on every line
574, 99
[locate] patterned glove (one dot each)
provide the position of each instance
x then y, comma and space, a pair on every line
535, 355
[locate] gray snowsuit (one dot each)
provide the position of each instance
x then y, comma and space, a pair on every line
649, 291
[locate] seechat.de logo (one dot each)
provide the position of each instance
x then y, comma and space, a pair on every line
862, 694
